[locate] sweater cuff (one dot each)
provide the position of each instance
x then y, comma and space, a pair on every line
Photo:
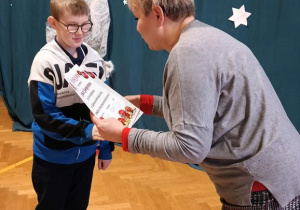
125, 133
88, 133
146, 103
105, 154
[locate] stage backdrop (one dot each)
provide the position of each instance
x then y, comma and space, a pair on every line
22, 34
272, 33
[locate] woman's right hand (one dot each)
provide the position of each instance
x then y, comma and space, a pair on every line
134, 99
95, 134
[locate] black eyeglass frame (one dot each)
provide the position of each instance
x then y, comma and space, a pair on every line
67, 26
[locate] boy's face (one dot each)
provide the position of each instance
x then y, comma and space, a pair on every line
70, 40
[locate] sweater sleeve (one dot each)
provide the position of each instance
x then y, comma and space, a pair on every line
146, 104
158, 106
105, 150
189, 106
125, 133
52, 120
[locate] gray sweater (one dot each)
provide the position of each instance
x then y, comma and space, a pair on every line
223, 113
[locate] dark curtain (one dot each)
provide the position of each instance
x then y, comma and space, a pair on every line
272, 34
22, 25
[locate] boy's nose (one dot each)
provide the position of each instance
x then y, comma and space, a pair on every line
79, 31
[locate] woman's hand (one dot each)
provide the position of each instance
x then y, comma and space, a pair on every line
134, 99
109, 129
95, 134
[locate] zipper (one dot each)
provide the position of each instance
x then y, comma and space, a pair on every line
78, 153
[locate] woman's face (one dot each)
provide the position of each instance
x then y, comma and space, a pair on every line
148, 28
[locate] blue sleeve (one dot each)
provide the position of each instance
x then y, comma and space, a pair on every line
52, 120
105, 151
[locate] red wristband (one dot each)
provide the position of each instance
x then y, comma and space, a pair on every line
257, 186
146, 103
125, 133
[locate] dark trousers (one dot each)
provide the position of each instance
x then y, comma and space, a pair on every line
263, 200
62, 186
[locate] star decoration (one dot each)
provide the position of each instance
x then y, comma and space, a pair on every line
124, 2
239, 16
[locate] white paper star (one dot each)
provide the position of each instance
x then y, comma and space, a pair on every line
239, 16
124, 2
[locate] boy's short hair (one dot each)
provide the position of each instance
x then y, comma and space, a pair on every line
173, 9
75, 7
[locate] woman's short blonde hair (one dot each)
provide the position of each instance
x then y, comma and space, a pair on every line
75, 7
173, 9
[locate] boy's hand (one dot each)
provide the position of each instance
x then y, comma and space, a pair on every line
134, 99
103, 164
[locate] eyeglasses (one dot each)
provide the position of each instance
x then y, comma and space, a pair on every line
73, 28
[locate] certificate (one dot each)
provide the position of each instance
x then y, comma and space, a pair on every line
102, 100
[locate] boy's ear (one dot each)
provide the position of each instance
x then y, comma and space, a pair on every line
51, 22
159, 13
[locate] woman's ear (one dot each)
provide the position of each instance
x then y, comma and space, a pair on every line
159, 13
51, 22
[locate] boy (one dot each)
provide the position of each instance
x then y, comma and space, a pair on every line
64, 138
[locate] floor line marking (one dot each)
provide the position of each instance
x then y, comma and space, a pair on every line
16, 164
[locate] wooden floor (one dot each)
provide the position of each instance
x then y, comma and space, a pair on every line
131, 181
